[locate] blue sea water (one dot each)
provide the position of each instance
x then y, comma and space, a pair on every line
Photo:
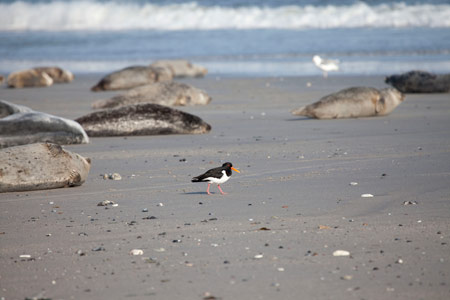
231, 38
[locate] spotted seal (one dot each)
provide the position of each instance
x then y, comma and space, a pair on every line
141, 119
181, 68
168, 93
21, 125
41, 166
131, 77
28, 78
58, 75
420, 82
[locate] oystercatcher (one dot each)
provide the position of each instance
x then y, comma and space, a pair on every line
217, 175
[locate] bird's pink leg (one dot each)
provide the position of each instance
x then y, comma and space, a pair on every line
207, 190
221, 190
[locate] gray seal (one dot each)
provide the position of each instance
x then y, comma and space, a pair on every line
7, 108
420, 82
169, 93
41, 166
28, 78
181, 68
353, 102
21, 125
142, 119
132, 77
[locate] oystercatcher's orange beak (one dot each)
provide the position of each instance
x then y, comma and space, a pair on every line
232, 168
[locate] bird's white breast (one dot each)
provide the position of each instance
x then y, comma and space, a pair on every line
220, 180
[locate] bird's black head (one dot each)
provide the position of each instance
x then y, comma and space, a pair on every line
227, 165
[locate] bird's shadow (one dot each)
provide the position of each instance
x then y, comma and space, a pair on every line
196, 193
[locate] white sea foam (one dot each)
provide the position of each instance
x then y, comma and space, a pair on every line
110, 15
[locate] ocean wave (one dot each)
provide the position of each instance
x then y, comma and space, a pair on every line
116, 15
301, 67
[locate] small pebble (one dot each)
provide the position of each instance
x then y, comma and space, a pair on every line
115, 176
409, 203
257, 256
353, 183
160, 204
112, 176
145, 210
106, 203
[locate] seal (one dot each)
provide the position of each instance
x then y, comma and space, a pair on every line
169, 93
132, 77
353, 102
420, 82
142, 119
7, 108
2, 78
41, 166
181, 68
28, 78
57, 74
21, 125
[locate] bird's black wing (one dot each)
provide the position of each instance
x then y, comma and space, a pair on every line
216, 172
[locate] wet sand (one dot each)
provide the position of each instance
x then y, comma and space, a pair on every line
273, 235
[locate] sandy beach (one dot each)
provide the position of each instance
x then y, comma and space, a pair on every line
296, 201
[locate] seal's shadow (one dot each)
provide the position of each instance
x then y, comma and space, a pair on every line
299, 119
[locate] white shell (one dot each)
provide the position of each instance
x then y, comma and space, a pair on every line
367, 196
341, 253
136, 252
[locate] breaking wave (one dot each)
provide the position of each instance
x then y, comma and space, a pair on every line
117, 15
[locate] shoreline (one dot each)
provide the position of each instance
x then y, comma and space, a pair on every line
273, 236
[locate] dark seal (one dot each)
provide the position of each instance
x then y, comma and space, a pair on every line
420, 82
142, 119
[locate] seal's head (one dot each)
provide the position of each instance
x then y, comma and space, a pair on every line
390, 98
395, 95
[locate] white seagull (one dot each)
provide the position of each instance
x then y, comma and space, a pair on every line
326, 65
